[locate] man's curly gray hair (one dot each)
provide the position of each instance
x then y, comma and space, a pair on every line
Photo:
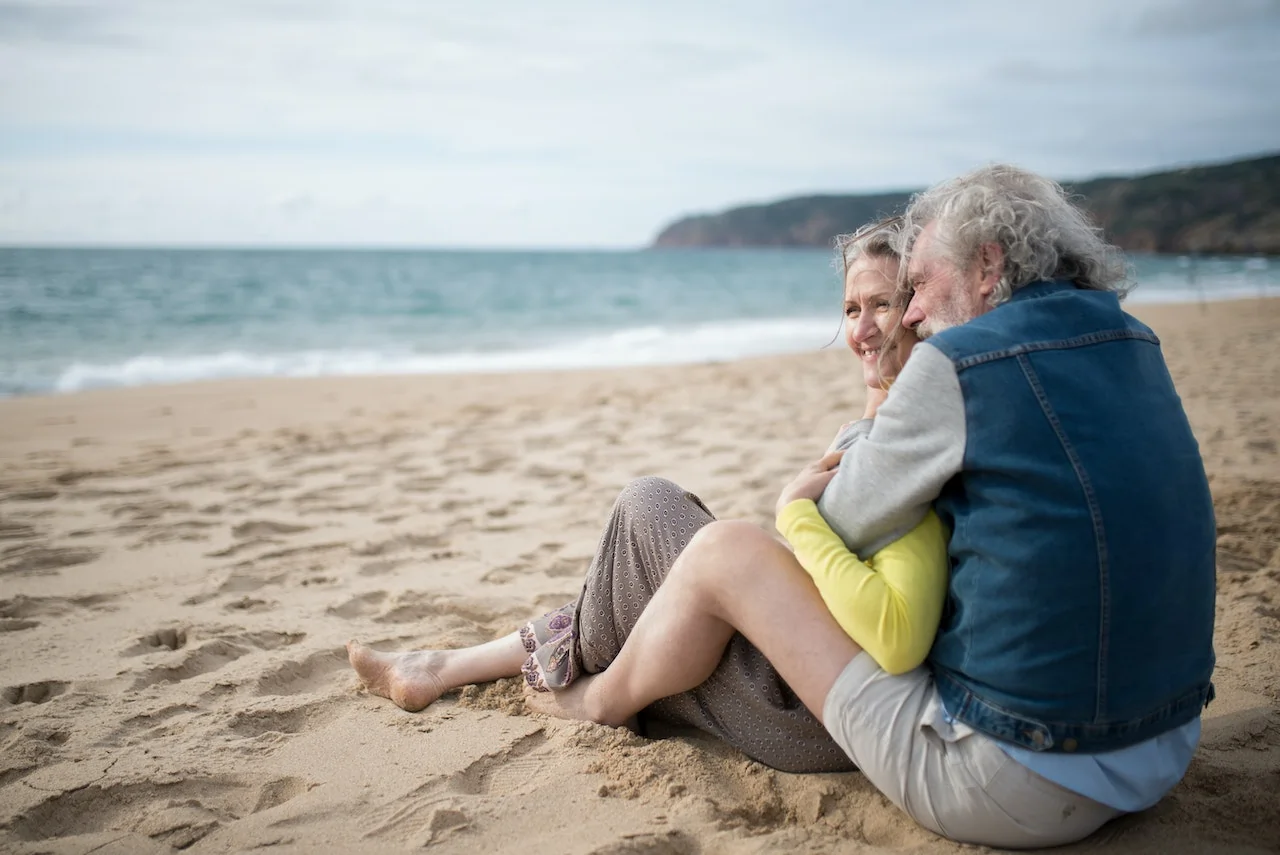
1043, 235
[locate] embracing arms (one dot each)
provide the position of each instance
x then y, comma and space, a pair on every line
876, 491
891, 604
895, 465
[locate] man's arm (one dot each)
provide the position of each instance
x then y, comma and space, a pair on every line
897, 464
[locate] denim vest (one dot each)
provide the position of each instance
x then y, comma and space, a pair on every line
1080, 608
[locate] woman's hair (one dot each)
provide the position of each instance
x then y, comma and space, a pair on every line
881, 239
1043, 235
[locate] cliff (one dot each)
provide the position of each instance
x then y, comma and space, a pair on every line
1229, 208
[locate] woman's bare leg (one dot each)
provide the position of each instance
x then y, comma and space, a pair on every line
732, 577
417, 678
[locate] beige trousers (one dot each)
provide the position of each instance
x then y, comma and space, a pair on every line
951, 779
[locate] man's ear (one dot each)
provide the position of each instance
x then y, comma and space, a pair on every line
990, 267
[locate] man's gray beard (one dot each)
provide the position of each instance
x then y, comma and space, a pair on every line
928, 328
951, 314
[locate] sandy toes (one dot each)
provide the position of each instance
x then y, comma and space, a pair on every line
410, 679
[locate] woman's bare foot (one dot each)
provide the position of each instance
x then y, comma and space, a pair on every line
411, 679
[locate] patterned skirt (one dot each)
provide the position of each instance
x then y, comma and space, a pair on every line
744, 702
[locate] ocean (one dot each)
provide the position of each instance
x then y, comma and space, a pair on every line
73, 319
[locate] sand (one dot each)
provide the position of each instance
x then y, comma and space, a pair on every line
180, 567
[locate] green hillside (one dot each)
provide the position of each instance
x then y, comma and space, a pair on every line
1227, 208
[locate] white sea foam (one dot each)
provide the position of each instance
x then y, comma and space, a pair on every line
1211, 292
645, 345
648, 345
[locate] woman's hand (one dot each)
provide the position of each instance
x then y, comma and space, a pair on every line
811, 481
875, 397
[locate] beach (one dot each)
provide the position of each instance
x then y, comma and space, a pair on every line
181, 565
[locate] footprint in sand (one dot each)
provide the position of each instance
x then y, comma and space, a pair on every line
172, 814
205, 658
265, 529
17, 624
399, 543
491, 463
23, 606
413, 606
33, 693
513, 770
360, 605
169, 638
16, 531
245, 583
256, 721
420, 484
249, 604
435, 809
575, 567
147, 510
450, 505
311, 674
156, 717
35, 495
40, 560
501, 575
244, 546
213, 655
382, 567
550, 547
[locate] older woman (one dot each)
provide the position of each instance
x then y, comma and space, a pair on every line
671, 625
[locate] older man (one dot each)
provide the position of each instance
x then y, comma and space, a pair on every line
1039, 420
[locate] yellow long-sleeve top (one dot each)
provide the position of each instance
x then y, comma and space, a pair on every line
890, 604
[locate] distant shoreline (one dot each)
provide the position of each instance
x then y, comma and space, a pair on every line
1221, 209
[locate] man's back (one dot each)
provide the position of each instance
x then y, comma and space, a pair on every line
1080, 608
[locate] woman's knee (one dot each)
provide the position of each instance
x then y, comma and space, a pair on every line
645, 491
726, 549
662, 508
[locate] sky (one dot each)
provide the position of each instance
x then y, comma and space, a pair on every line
585, 124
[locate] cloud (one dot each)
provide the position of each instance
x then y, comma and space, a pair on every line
1191, 17
572, 123
57, 23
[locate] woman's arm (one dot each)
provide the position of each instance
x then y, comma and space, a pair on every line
891, 604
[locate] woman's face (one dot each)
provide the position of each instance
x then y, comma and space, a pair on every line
870, 317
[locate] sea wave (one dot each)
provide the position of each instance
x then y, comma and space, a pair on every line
653, 344
1180, 292
647, 345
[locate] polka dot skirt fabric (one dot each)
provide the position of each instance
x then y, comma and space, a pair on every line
744, 702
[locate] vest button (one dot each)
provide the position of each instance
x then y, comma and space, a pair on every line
1069, 744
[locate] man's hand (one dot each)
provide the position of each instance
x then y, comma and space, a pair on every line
811, 481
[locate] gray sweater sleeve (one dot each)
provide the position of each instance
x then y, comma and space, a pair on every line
896, 465
850, 434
